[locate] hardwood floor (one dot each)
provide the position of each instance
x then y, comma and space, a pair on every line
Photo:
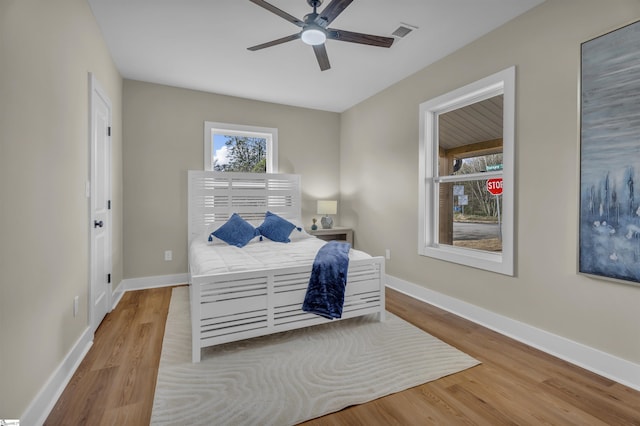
114, 384
514, 385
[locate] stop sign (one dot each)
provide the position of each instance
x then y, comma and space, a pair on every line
494, 186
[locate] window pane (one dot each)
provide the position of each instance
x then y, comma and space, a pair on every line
479, 164
239, 154
470, 216
240, 148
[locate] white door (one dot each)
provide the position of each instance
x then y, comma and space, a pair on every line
100, 205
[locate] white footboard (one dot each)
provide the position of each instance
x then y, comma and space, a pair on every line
235, 306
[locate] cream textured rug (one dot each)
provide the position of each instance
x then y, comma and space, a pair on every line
293, 376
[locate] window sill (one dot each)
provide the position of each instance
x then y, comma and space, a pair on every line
489, 261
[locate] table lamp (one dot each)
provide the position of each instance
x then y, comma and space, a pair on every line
327, 207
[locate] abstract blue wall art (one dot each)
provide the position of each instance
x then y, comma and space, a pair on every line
609, 235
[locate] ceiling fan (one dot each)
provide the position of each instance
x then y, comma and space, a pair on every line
315, 29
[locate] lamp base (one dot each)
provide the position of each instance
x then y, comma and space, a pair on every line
327, 222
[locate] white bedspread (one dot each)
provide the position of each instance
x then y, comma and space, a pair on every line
208, 259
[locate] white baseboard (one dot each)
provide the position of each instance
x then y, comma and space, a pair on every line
40, 407
153, 282
131, 284
597, 361
43, 403
117, 295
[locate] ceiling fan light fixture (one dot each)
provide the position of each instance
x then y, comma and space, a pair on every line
313, 35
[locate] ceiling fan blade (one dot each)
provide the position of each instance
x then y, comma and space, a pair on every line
331, 12
279, 12
322, 57
274, 42
351, 37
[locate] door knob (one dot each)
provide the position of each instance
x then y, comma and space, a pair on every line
97, 224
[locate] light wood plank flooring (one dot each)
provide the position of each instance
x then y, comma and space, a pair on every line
514, 385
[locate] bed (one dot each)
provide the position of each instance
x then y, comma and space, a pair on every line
240, 293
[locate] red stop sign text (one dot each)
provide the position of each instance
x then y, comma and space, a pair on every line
494, 186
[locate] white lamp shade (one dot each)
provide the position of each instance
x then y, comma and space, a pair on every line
313, 36
327, 206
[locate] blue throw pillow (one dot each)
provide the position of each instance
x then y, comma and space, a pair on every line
276, 228
236, 231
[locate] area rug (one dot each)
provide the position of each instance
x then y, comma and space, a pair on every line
290, 377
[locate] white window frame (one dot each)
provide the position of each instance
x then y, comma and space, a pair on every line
268, 133
500, 83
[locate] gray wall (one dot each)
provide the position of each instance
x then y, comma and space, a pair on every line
379, 178
47, 49
163, 131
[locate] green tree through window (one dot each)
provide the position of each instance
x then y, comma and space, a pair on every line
240, 148
244, 154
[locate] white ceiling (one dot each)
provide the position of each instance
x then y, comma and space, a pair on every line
202, 45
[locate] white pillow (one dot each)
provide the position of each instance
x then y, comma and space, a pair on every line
215, 241
298, 232
212, 227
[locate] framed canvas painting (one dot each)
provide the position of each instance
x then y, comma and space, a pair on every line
609, 234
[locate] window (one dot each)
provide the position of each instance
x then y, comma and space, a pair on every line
466, 174
237, 148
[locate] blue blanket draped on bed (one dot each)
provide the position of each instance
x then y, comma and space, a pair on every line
325, 293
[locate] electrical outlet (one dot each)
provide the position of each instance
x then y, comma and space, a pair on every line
387, 254
76, 303
168, 255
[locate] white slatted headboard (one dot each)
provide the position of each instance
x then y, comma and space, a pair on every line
215, 196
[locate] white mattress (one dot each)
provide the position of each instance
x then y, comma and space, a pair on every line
206, 259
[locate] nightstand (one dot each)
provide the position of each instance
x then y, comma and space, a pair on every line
336, 233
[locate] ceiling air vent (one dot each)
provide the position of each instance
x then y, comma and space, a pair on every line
403, 30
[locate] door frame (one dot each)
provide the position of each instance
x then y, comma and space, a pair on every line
95, 92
